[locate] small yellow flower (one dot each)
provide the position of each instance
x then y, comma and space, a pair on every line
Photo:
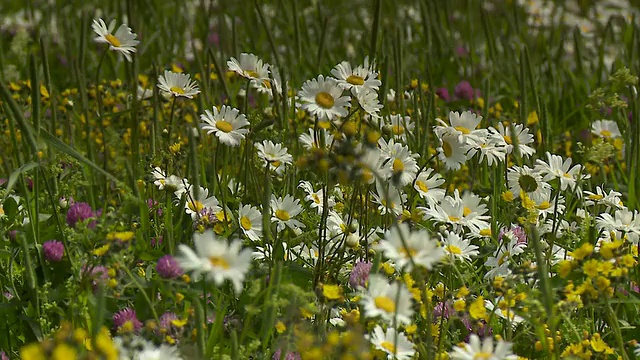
477, 309
280, 327
101, 250
583, 251
331, 292
532, 119
459, 305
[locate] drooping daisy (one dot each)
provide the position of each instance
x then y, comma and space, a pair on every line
250, 67
269, 85
171, 183
407, 248
368, 100
250, 221
457, 247
123, 41
322, 97
227, 124
522, 135
607, 129
361, 78
198, 201
528, 180
389, 198
177, 85
283, 211
275, 155
400, 126
428, 186
493, 148
451, 151
484, 349
216, 259
395, 344
315, 197
609, 200
392, 302
454, 211
340, 228
311, 140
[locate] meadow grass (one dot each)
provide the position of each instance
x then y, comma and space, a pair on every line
316, 180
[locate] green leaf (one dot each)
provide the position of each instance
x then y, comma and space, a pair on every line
13, 178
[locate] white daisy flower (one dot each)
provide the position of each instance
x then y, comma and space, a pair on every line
361, 78
198, 201
493, 148
250, 67
484, 349
315, 197
313, 141
457, 247
323, 98
177, 85
395, 344
275, 155
389, 198
609, 200
123, 41
216, 258
227, 124
270, 84
528, 180
607, 129
451, 151
459, 212
428, 186
399, 163
370, 164
624, 220
521, 134
557, 169
250, 221
401, 126
504, 311
368, 100
284, 210
392, 302
463, 126
401, 245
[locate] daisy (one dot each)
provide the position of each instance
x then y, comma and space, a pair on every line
428, 186
623, 220
399, 163
389, 198
521, 134
493, 148
269, 85
395, 344
457, 247
284, 210
249, 67
504, 311
458, 212
227, 124
341, 229
392, 302
368, 100
406, 248
557, 169
323, 98
177, 85
172, 183
123, 41
362, 78
250, 221
315, 197
401, 126
452, 152
216, 258
463, 126
369, 165
610, 200
313, 141
274, 155
527, 180
197, 202
484, 349
607, 129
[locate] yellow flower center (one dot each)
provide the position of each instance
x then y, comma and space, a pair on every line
325, 100
422, 186
245, 223
316, 198
407, 251
482, 355
275, 164
595, 197
224, 126
178, 90
114, 41
282, 215
267, 84
454, 218
398, 166
453, 249
251, 73
567, 175
355, 80
388, 346
446, 148
606, 133
196, 206
385, 303
218, 261
398, 130
466, 211
508, 140
544, 205
463, 130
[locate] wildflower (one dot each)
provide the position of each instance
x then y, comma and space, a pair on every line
125, 320
331, 292
390, 301
452, 152
250, 220
250, 67
360, 274
459, 212
476, 349
624, 220
275, 155
323, 98
123, 41
398, 162
395, 344
464, 90
168, 268
521, 134
609, 200
457, 247
53, 250
368, 100
216, 259
606, 129
197, 202
428, 186
80, 211
315, 197
527, 180
407, 248
227, 124
463, 126
311, 140
177, 85
360, 79
284, 210
555, 168
389, 198
492, 147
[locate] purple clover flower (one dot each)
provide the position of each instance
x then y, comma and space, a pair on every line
80, 211
168, 268
464, 91
360, 274
53, 250
124, 316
